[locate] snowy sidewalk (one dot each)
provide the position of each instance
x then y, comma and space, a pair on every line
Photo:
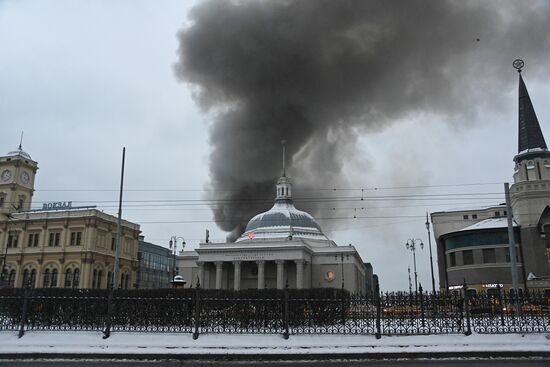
166, 345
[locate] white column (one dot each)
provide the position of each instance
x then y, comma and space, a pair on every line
200, 274
280, 274
237, 275
261, 274
299, 274
219, 269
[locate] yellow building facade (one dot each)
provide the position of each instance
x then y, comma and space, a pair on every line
58, 245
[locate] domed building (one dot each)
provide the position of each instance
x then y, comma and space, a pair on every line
281, 247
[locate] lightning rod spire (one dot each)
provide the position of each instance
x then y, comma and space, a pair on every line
283, 143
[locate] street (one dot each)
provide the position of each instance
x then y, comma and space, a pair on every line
535, 362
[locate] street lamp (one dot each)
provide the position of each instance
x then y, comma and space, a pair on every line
411, 245
431, 258
174, 250
342, 265
410, 284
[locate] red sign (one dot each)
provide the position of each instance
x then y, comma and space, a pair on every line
251, 235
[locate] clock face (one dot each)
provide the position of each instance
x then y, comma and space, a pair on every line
25, 178
6, 175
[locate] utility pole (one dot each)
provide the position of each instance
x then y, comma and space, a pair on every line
512, 246
431, 258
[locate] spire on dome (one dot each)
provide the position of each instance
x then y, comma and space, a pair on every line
284, 186
283, 143
21, 141
530, 135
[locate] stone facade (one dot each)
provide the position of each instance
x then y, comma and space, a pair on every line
72, 248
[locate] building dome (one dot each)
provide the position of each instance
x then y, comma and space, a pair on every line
19, 152
283, 220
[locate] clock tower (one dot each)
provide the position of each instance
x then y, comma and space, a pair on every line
17, 173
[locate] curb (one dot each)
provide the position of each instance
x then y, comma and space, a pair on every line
274, 357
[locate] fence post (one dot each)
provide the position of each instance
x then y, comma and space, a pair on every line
468, 330
197, 310
422, 305
286, 333
378, 333
24, 310
500, 304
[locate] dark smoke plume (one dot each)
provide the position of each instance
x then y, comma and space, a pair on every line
317, 73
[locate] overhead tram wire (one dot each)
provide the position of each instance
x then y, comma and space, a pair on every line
369, 188
444, 196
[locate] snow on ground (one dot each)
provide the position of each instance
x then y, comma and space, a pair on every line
223, 344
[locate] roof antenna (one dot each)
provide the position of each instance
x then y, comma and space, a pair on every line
283, 143
21, 141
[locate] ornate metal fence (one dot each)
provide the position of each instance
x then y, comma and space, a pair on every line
287, 312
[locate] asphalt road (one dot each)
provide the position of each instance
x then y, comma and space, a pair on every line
390, 363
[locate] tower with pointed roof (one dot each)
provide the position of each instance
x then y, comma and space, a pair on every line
530, 193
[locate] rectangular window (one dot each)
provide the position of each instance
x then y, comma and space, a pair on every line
1, 201
113, 243
474, 216
507, 252
467, 257
13, 240
452, 258
497, 214
55, 238
76, 238
33, 240
489, 256
465, 216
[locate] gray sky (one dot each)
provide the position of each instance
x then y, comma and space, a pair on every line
83, 79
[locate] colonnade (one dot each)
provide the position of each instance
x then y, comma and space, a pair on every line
237, 264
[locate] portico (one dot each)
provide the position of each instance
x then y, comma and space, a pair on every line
259, 267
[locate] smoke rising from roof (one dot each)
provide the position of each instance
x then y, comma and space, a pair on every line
318, 73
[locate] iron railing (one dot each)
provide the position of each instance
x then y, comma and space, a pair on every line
287, 312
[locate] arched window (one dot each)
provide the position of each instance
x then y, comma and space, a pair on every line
126, 281
53, 282
122, 276
76, 278
68, 278
25, 278
4, 277
11, 278
99, 276
109, 280
33, 278
94, 279
46, 282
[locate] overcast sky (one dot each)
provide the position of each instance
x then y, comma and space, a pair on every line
82, 79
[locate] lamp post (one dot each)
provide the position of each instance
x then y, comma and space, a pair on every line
174, 250
411, 245
410, 284
431, 258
